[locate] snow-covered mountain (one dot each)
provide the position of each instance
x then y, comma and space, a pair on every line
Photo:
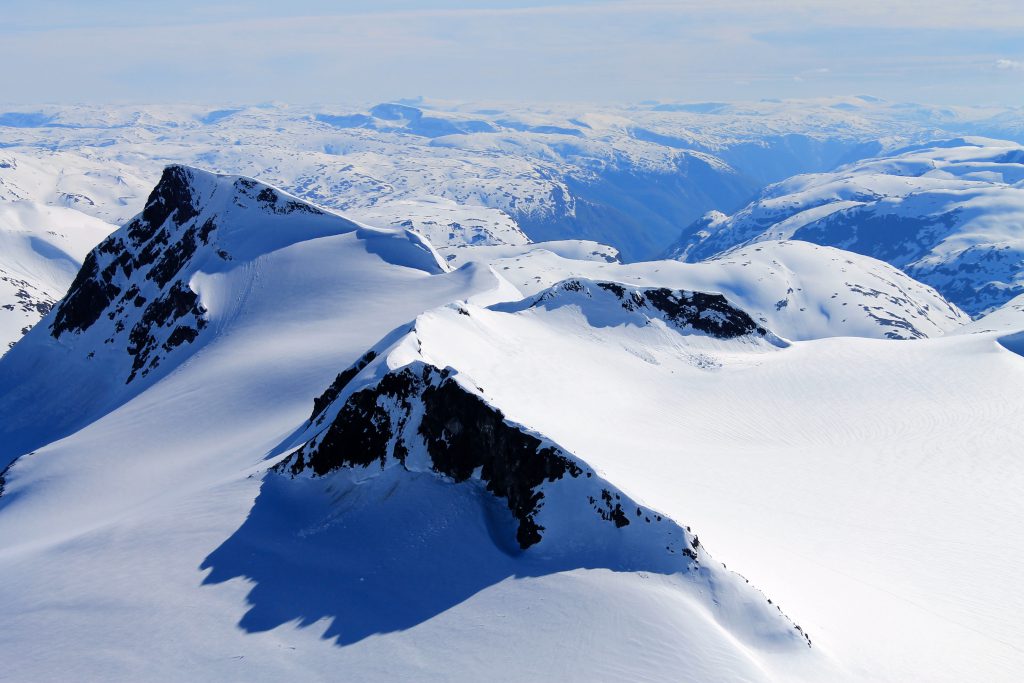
797, 289
41, 250
209, 285
632, 177
460, 179
254, 439
1007, 318
342, 453
109, 189
396, 416
819, 449
152, 292
949, 214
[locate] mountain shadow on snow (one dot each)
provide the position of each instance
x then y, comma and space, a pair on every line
419, 493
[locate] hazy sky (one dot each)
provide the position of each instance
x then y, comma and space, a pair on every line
306, 51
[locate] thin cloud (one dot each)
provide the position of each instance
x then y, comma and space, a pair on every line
319, 50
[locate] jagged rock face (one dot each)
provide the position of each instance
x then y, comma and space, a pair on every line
462, 434
710, 314
420, 417
330, 395
135, 284
147, 255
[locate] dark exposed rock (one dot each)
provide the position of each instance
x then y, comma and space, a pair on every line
172, 195
179, 336
270, 200
156, 246
692, 309
577, 286
173, 258
208, 228
152, 250
85, 301
332, 392
711, 314
462, 434
178, 302
300, 207
3, 476
148, 242
612, 511
634, 301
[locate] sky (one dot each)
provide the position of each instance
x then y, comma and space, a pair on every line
316, 51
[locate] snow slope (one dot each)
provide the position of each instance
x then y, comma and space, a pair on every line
160, 286
1008, 318
874, 483
797, 289
576, 250
109, 189
365, 464
950, 214
148, 537
41, 250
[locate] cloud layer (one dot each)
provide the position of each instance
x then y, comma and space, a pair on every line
320, 51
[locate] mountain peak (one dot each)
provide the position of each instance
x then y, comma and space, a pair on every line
688, 312
173, 194
137, 285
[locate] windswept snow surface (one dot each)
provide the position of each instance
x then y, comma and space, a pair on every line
164, 527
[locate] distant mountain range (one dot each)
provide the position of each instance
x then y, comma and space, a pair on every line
950, 214
631, 177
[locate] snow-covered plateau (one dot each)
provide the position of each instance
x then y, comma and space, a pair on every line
390, 392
